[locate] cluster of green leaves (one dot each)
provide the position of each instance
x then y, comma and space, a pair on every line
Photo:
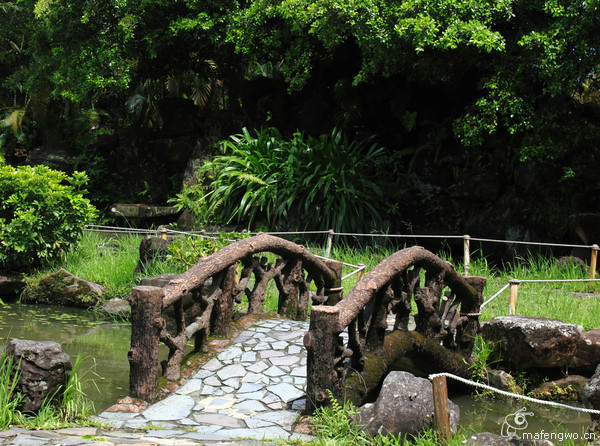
184, 252
42, 214
302, 182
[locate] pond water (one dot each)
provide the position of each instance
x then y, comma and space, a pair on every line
106, 343
80, 332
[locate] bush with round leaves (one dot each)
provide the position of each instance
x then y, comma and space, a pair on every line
42, 214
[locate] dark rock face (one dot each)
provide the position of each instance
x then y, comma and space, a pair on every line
404, 406
63, 288
45, 367
587, 356
10, 285
151, 248
591, 399
527, 342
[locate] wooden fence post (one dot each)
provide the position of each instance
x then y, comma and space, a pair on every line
467, 253
514, 291
163, 233
329, 243
146, 324
361, 272
440, 408
593, 261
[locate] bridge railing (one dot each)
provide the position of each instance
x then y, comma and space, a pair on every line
447, 315
199, 302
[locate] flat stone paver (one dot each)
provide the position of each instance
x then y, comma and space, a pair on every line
254, 390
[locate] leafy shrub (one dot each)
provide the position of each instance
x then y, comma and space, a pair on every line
42, 213
304, 183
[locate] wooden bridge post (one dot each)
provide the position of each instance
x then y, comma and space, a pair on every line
146, 324
322, 344
336, 291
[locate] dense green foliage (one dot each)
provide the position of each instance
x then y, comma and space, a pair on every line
302, 182
488, 112
42, 213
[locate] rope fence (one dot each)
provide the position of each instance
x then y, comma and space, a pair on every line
359, 270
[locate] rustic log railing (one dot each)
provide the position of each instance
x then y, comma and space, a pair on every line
200, 302
446, 322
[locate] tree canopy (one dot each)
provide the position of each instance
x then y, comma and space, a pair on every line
461, 92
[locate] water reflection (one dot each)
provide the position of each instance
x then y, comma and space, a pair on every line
80, 332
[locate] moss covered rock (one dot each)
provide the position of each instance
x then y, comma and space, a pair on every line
63, 288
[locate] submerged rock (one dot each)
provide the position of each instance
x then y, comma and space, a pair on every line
527, 342
404, 406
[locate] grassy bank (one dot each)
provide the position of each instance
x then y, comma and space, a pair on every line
111, 262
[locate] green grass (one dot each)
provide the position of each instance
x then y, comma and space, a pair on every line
70, 409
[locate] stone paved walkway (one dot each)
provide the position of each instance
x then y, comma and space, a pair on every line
253, 390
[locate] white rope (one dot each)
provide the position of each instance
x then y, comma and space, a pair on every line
494, 296
514, 395
554, 280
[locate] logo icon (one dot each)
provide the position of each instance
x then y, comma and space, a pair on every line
515, 422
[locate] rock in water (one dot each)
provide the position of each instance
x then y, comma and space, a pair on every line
404, 406
44, 370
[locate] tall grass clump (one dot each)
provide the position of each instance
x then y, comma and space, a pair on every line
9, 400
109, 261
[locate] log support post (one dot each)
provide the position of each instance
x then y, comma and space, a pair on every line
322, 343
334, 294
146, 324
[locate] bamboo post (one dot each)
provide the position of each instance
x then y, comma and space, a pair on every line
593, 261
514, 291
440, 408
329, 243
467, 252
163, 233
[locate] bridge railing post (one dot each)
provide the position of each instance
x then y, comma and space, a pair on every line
322, 345
146, 324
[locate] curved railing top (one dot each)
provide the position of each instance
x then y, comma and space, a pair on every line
219, 261
384, 272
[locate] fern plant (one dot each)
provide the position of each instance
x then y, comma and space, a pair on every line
297, 183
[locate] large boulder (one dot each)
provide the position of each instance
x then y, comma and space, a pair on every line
525, 342
587, 356
404, 406
44, 370
63, 288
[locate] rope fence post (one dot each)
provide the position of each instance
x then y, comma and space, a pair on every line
514, 291
594, 261
329, 243
440, 408
467, 252
361, 272
163, 233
